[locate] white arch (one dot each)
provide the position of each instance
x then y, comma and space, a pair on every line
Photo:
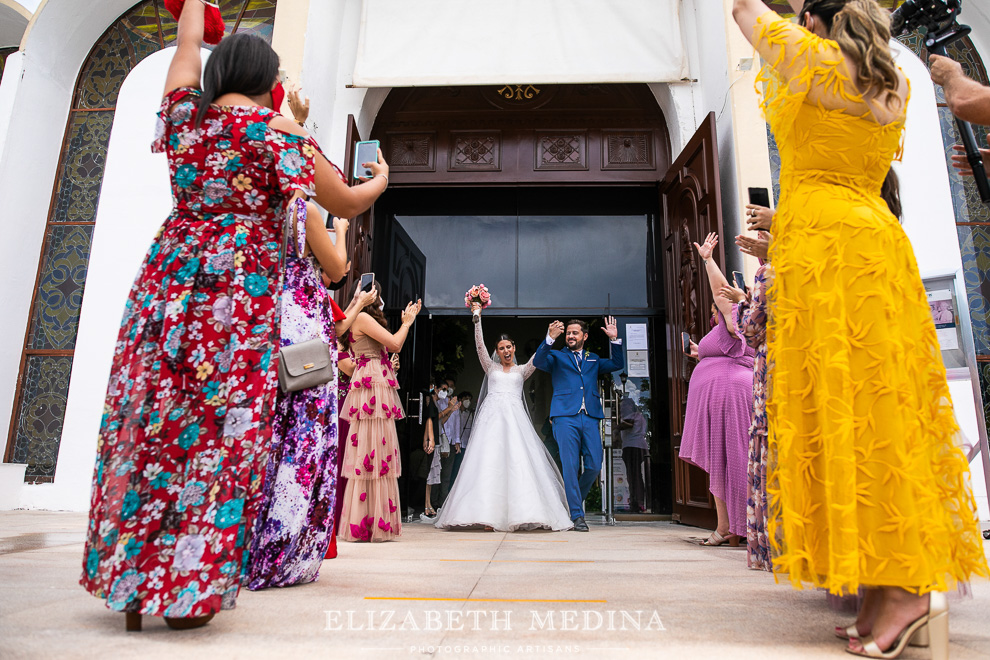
58, 38
134, 201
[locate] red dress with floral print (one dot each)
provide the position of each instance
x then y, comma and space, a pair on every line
184, 436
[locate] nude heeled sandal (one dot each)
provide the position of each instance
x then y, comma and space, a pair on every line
936, 622
919, 638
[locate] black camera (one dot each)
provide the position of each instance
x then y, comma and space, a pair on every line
939, 20
932, 15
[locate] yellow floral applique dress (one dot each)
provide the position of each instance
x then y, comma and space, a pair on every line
867, 484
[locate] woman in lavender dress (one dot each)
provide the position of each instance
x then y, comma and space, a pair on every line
719, 407
293, 527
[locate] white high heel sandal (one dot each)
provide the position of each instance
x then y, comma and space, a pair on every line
935, 624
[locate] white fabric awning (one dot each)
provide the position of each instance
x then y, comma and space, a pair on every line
408, 43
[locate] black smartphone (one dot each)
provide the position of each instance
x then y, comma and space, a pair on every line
367, 281
737, 277
686, 343
365, 152
759, 197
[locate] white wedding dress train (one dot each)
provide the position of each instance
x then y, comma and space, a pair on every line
507, 479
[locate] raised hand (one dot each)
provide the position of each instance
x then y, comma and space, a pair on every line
378, 167
610, 328
298, 106
706, 249
556, 330
411, 311
341, 225
732, 294
758, 247
694, 351
476, 308
758, 217
365, 298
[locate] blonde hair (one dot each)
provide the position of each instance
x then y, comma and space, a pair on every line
862, 30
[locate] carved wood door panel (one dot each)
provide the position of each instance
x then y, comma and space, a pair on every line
691, 207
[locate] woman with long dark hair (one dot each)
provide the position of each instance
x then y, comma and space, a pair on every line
866, 480
371, 450
183, 441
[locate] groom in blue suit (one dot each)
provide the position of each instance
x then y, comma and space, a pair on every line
576, 409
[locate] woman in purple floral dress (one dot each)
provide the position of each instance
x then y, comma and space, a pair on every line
295, 522
751, 319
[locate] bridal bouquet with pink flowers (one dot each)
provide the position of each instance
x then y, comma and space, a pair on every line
478, 294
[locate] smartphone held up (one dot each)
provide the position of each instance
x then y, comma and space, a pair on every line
365, 152
738, 280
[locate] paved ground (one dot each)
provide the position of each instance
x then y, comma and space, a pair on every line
636, 590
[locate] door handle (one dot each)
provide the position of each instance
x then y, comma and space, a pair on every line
419, 406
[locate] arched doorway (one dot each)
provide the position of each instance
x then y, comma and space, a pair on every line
563, 200
49, 340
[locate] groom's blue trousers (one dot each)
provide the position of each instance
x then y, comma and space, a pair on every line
578, 437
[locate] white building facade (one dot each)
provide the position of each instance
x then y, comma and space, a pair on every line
83, 195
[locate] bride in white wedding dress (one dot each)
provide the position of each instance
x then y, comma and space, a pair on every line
507, 479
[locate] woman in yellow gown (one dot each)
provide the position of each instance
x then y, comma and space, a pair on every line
867, 484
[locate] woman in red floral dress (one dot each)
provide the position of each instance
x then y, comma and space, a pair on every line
183, 440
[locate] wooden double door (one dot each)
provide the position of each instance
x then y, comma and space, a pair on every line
689, 208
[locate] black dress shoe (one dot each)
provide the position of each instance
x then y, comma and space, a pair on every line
580, 525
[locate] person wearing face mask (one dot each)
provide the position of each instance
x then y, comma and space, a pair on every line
448, 427
183, 443
452, 438
506, 481
465, 424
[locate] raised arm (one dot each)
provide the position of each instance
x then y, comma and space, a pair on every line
332, 257
544, 357
360, 300
967, 99
187, 65
331, 192
616, 356
529, 368
747, 14
367, 325
751, 316
479, 343
716, 279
